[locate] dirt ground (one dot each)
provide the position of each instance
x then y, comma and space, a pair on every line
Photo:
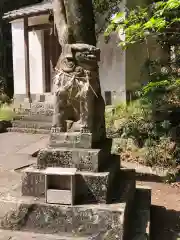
165, 211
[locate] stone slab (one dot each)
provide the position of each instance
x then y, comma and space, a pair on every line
31, 124
39, 118
82, 159
18, 235
104, 221
28, 130
90, 187
70, 139
33, 183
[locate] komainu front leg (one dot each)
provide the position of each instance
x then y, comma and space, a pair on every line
59, 117
86, 112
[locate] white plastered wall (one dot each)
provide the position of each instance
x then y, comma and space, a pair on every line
112, 67
18, 57
36, 56
36, 62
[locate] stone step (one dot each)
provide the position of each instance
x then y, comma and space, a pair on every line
33, 105
40, 105
70, 139
34, 117
89, 187
33, 215
76, 140
28, 130
34, 111
31, 124
104, 187
18, 235
83, 159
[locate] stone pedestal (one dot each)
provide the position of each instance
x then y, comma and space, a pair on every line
76, 188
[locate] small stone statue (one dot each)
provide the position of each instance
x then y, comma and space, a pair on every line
77, 89
76, 84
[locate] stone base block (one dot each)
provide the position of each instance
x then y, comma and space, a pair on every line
70, 139
82, 159
34, 118
90, 221
28, 130
33, 183
89, 187
96, 221
31, 124
21, 235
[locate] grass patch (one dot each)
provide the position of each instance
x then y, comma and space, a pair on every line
6, 113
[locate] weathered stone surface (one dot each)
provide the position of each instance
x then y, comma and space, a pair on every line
71, 140
21, 235
77, 85
31, 124
82, 159
28, 130
39, 118
15, 219
93, 188
81, 221
33, 112
33, 183
77, 75
89, 187
116, 232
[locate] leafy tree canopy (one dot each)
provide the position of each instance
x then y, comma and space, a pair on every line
161, 19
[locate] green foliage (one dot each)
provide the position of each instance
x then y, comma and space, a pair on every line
163, 95
145, 139
159, 19
104, 6
153, 124
6, 113
161, 153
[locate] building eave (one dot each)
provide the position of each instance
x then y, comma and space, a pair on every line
29, 11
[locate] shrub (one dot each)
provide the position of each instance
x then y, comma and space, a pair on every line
153, 144
161, 153
3, 96
6, 113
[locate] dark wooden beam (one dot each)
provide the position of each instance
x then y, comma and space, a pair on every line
26, 51
40, 27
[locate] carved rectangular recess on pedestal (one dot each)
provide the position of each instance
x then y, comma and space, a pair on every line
60, 185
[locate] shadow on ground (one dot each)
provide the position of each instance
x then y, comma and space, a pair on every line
148, 178
165, 224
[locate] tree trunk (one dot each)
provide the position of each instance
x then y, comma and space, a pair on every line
74, 21
80, 19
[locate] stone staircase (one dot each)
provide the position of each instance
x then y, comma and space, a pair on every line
32, 118
107, 205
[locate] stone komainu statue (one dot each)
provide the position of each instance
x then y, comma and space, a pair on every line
76, 84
